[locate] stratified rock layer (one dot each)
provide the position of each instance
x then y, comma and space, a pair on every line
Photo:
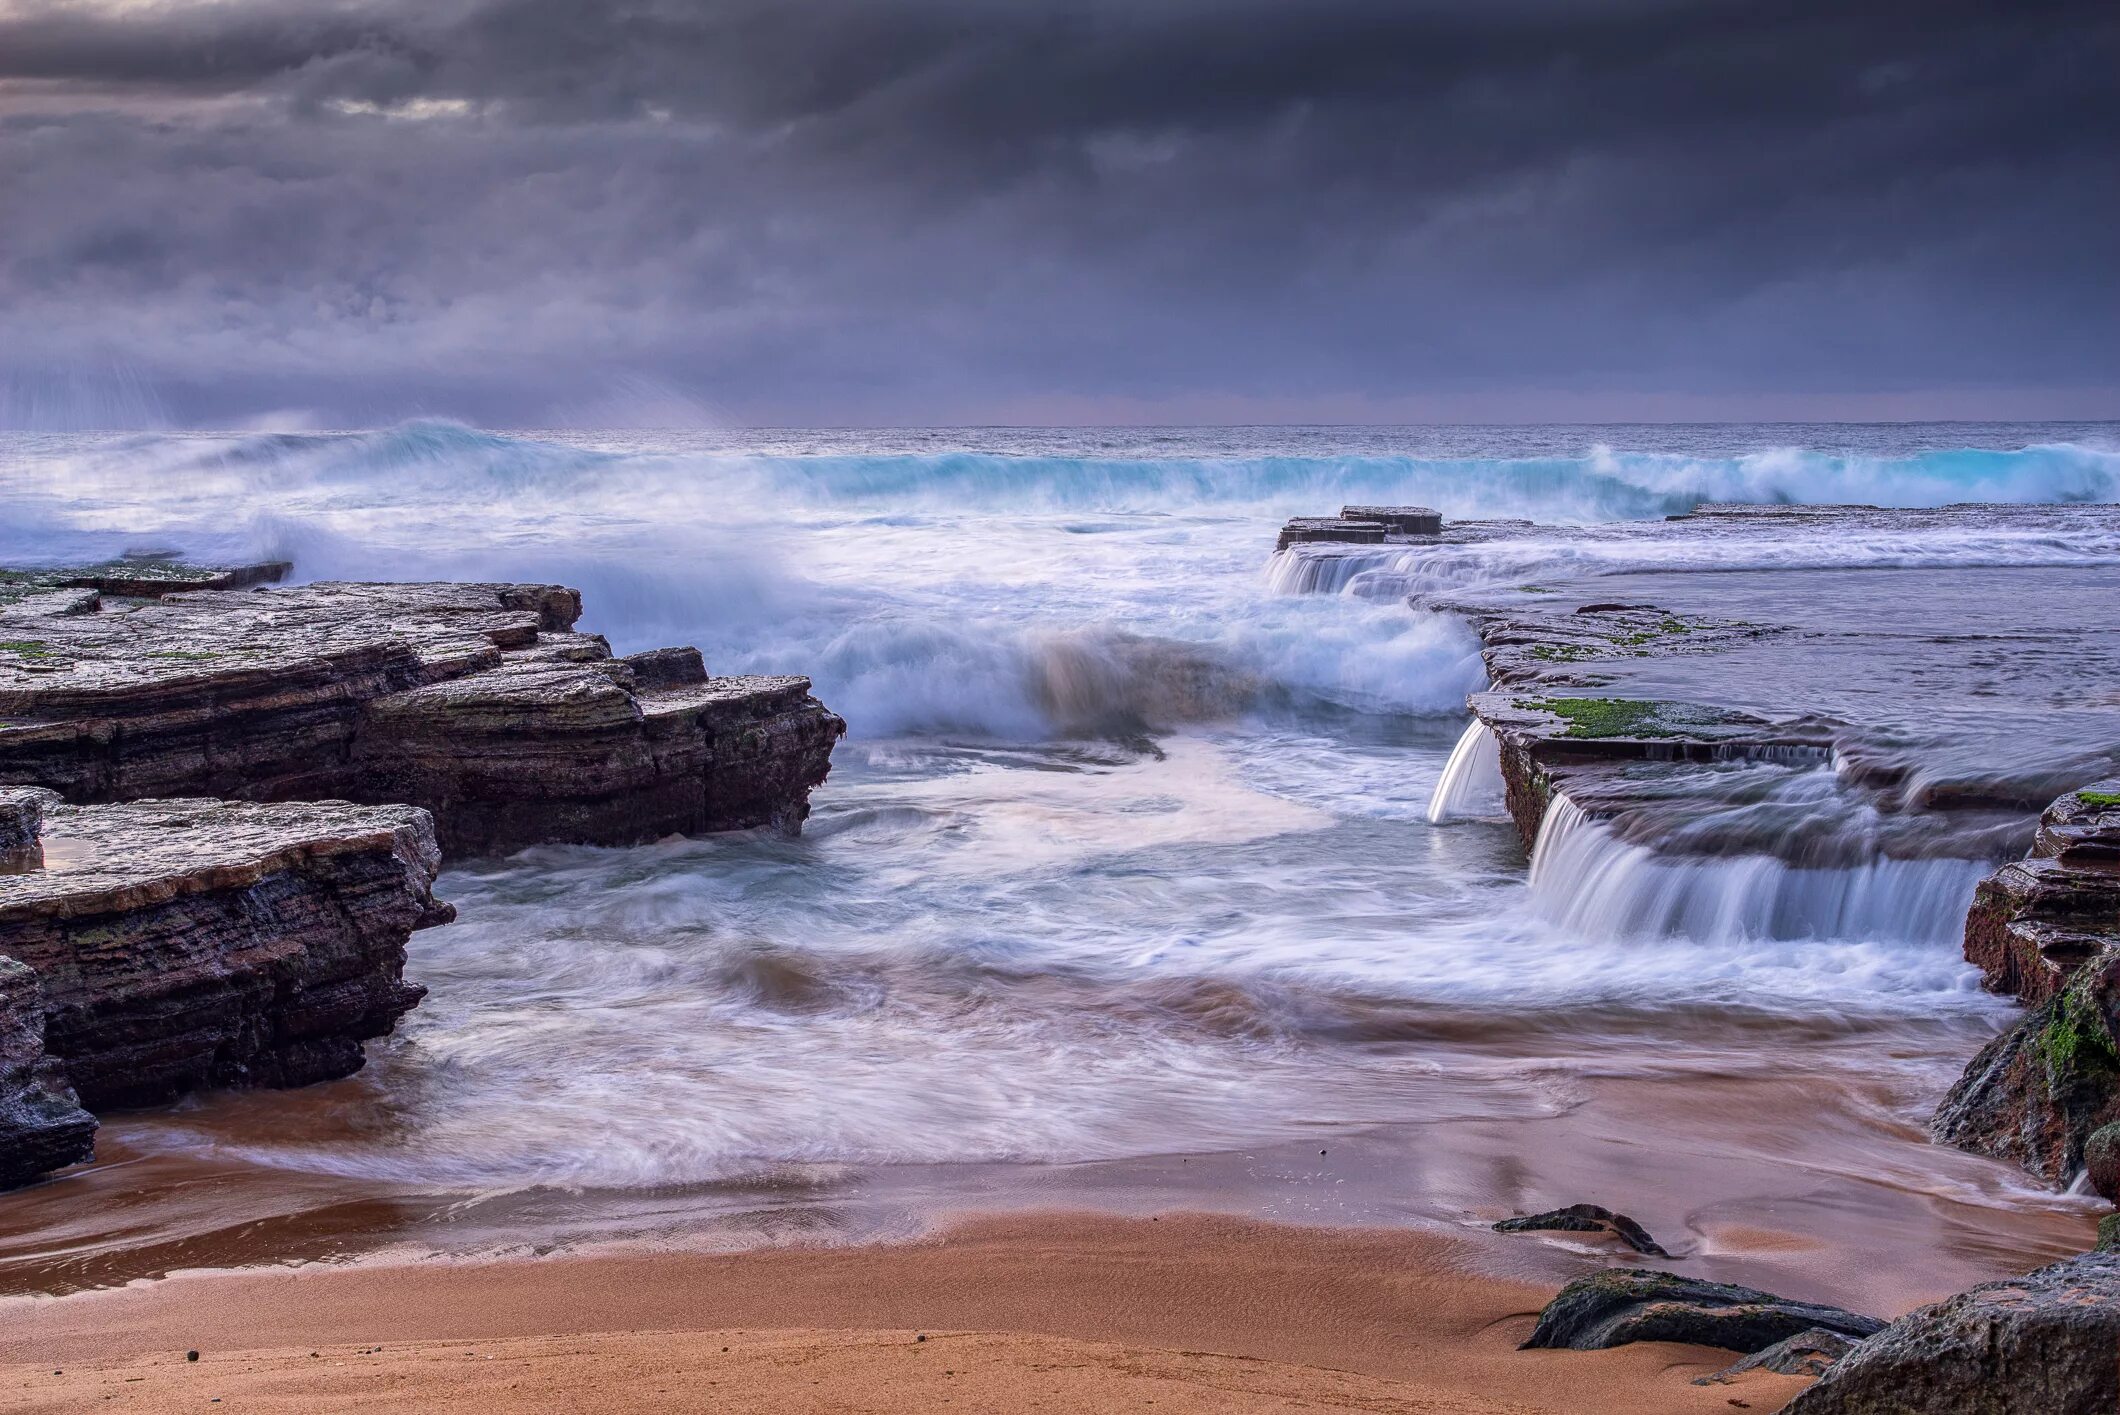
42, 1125
189, 943
2044, 1344
476, 701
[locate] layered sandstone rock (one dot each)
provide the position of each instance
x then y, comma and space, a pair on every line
42, 1125
2037, 920
187, 943
476, 701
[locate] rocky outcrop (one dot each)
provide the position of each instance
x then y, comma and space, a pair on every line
2048, 928
1622, 1305
476, 701
42, 1125
2036, 1093
2044, 1344
187, 943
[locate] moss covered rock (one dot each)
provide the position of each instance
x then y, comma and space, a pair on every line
2038, 1092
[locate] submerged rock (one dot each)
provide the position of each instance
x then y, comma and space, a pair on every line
1622, 1305
188, 943
42, 1125
2047, 1343
1587, 1218
1808, 1353
476, 701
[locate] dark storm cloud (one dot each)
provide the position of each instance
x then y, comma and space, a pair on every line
916, 209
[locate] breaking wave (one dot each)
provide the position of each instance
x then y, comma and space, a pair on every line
436, 461
1056, 584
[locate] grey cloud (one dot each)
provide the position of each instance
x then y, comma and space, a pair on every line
911, 209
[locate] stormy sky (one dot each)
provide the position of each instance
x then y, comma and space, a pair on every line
537, 212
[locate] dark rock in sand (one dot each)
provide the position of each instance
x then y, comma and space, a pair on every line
1808, 1353
476, 701
1623, 1305
189, 943
42, 1125
2047, 1343
1587, 1218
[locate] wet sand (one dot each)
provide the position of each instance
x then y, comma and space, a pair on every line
1760, 1171
1051, 1312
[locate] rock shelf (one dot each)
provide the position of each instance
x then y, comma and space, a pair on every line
477, 701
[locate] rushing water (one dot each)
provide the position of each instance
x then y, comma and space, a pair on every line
1136, 851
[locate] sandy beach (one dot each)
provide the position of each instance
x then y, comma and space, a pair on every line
1056, 1313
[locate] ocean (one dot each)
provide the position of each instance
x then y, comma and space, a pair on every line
1124, 888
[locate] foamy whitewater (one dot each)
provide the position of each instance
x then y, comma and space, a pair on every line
1136, 846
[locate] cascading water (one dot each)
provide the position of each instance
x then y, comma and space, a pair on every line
1471, 783
1588, 881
